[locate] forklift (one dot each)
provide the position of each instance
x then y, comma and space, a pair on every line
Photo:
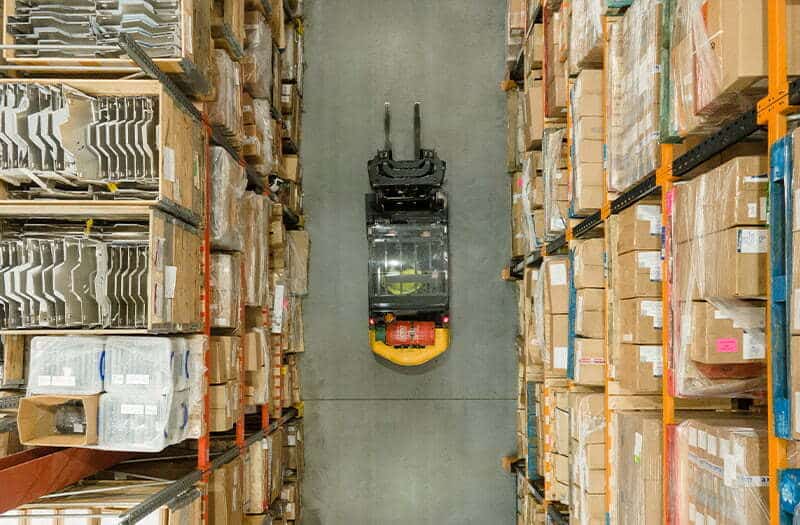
409, 296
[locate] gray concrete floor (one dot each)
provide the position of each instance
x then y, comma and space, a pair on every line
387, 445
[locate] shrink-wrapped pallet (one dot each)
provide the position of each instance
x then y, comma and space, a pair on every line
66, 365
257, 62
228, 183
226, 110
586, 34
719, 316
156, 364
587, 458
634, 96
225, 290
556, 183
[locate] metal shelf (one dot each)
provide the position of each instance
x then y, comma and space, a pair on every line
554, 516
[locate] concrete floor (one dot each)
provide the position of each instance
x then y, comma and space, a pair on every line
387, 445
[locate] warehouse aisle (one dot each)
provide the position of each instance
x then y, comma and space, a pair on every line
388, 445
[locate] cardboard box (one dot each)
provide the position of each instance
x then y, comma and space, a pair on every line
588, 259
534, 51
36, 421
733, 194
641, 321
641, 368
640, 228
719, 339
291, 168
556, 285
561, 465
226, 494
257, 386
224, 403
638, 467
276, 463
641, 271
593, 482
258, 475
256, 349
590, 362
561, 432
742, 251
223, 352
533, 102
590, 313
556, 336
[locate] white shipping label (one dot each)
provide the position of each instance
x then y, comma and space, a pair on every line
137, 379
170, 277
277, 309
44, 380
168, 155
560, 357
711, 445
129, 409
763, 205
627, 337
752, 210
637, 448
77, 427
292, 440
151, 410
118, 379
648, 212
658, 369
652, 309
729, 470
650, 354
188, 40
724, 447
750, 240
558, 274
753, 345
64, 381
651, 261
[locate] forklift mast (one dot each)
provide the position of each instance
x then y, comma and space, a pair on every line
407, 234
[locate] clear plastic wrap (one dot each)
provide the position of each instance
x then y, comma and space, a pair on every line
296, 337
255, 225
637, 465
298, 245
226, 109
586, 34
720, 471
718, 221
228, 183
525, 192
142, 421
66, 365
257, 63
587, 459
154, 364
225, 290
634, 74
266, 128
556, 201
290, 64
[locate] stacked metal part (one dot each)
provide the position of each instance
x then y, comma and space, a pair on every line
57, 140
61, 276
91, 28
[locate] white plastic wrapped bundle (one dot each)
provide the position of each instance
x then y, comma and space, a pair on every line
153, 364
298, 245
228, 183
720, 471
145, 421
586, 34
588, 474
634, 74
66, 365
266, 127
525, 184
226, 109
257, 71
225, 290
555, 181
256, 248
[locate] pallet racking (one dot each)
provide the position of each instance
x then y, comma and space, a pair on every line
770, 115
39, 471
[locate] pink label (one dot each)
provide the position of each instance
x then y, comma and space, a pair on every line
727, 346
519, 182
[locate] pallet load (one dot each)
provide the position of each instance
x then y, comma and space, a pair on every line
556, 182
588, 322
638, 448
587, 457
586, 178
527, 215
639, 317
634, 94
551, 311
715, 70
721, 473
719, 335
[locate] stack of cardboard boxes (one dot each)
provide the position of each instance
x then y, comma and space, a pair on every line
637, 468
586, 181
588, 457
590, 305
556, 181
639, 267
719, 221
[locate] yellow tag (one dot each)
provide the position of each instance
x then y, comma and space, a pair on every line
88, 229
298, 24
112, 187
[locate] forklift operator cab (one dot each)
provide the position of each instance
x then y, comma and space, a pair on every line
409, 296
